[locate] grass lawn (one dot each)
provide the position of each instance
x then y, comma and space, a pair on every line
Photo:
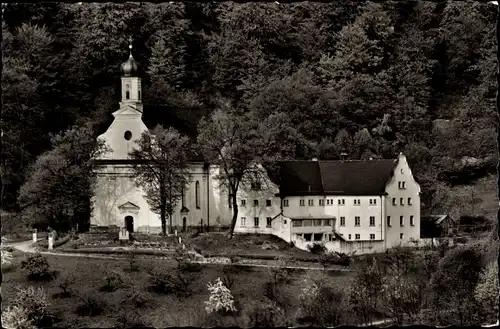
246, 245
165, 310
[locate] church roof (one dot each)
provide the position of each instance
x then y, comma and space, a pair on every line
352, 177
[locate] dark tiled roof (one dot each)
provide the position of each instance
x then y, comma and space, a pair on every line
335, 177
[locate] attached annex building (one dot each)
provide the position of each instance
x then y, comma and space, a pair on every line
353, 205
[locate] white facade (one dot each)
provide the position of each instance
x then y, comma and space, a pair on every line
362, 221
118, 201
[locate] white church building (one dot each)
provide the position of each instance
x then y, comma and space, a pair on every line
118, 201
347, 205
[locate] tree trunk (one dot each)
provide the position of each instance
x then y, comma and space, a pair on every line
163, 209
235, 216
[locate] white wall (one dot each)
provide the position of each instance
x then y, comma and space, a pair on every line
402, 173
348, 210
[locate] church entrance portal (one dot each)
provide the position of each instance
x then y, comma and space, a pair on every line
129, 223
184, 224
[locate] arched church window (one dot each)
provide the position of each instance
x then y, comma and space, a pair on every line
197, 194
127, 135
127, 92
139, 94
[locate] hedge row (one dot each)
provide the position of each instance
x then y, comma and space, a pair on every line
119, 252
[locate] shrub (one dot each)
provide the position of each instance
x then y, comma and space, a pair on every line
64, 282
114, 280
132, 261
321, 305
38, 267
90, 305
6, 257
265, 313
35, 301
486, 293
317, 248
221, 300
130, 319
228, 275
16, 317
169, 281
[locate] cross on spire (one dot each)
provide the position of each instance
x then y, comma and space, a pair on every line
130, 45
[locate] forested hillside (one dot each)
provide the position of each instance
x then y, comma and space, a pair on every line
369, 79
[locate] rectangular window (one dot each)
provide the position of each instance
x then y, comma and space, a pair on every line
358, 236
317, 222
296, 223
372, 220
268, 221
399, 185
393, 201
243, 202
302, 202
307, 222
357, 221
256, 221
342, 221
285, 203
401, 221
409, 201
349, 237
357, 202
371, 202
310, 202
268, 203
412, 221
401, 236
321, 202
341, 202
389, 221
307, 236
318, 236
327, 202
372, 236
401, 201
326, 222
243, 221
255, 203
403, 185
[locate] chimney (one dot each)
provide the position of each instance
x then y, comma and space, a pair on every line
343, 156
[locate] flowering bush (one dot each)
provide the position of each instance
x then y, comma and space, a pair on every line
6, 257
220, 299
36, 303
16, 317
486, 293
309, 291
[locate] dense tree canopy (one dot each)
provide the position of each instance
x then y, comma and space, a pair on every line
369, 79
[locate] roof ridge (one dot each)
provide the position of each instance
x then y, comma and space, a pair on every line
374, 160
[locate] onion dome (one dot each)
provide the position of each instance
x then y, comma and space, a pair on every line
130, 68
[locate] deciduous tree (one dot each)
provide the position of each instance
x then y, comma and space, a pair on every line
162, 170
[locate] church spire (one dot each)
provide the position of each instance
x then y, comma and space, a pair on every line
130, 68
131, 83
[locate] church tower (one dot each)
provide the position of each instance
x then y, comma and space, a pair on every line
131, 83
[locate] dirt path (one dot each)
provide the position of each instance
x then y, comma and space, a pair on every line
27, 247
